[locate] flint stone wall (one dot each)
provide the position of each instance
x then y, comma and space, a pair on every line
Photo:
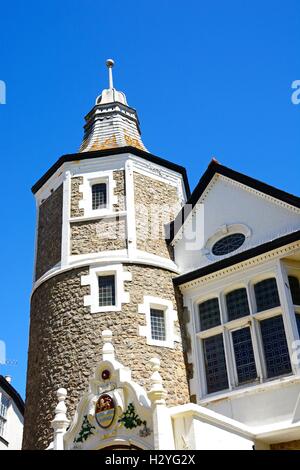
49, 232
94, 236
156, 204
65, 345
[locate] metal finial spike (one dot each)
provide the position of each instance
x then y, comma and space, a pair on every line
110, 63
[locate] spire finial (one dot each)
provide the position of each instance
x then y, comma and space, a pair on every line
110, 63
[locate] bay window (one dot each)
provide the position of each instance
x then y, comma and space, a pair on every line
242, 336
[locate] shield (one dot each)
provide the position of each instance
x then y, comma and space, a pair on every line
105, 410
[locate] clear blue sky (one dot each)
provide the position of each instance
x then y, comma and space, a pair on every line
207, 78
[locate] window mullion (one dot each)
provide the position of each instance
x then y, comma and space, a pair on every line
258, 350
230, 363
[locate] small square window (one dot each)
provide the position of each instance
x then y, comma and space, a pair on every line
99, 196
106, 290
158, 327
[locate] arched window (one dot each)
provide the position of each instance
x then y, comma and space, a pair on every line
266, 294
209, 312
237, 304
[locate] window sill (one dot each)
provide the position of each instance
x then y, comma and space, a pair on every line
250, 389
97, 216
106, 308
161, 344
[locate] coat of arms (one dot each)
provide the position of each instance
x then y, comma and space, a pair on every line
105, 410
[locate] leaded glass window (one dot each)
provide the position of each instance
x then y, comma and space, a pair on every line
237, 304
215, 364
244, 355
99, 196
266, 294
209, 312
228, 244
295, 289
4, 404
106, 290
298, 323
275, 347
158, 328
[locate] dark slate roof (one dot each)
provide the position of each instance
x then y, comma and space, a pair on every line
107, 152
216, 168
12, 392
238, 258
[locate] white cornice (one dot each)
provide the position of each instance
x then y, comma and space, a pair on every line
248, 189
278, 253
113, 162
106, 258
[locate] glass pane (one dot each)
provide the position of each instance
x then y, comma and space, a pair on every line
244, 355
209, 314
266, 294
228, 244
215, 364
4, 404
106, 290
237, 304
298, 323
295, 289
158, 330
275, 346
99, 196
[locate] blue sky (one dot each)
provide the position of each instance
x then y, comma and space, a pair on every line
207, 79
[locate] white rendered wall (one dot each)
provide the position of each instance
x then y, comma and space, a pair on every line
197, 431
208, 437
229, 203
13, 429
265, 405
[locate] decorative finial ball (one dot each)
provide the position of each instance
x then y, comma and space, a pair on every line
110, 63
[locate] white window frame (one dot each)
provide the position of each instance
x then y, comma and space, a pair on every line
92, 300
89, 179
170, 317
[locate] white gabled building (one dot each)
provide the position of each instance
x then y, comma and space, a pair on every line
240, 285
203, 312
11, 416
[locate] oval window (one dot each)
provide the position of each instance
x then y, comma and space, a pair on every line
228, 244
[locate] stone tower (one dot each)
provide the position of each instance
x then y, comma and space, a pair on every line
102, 262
